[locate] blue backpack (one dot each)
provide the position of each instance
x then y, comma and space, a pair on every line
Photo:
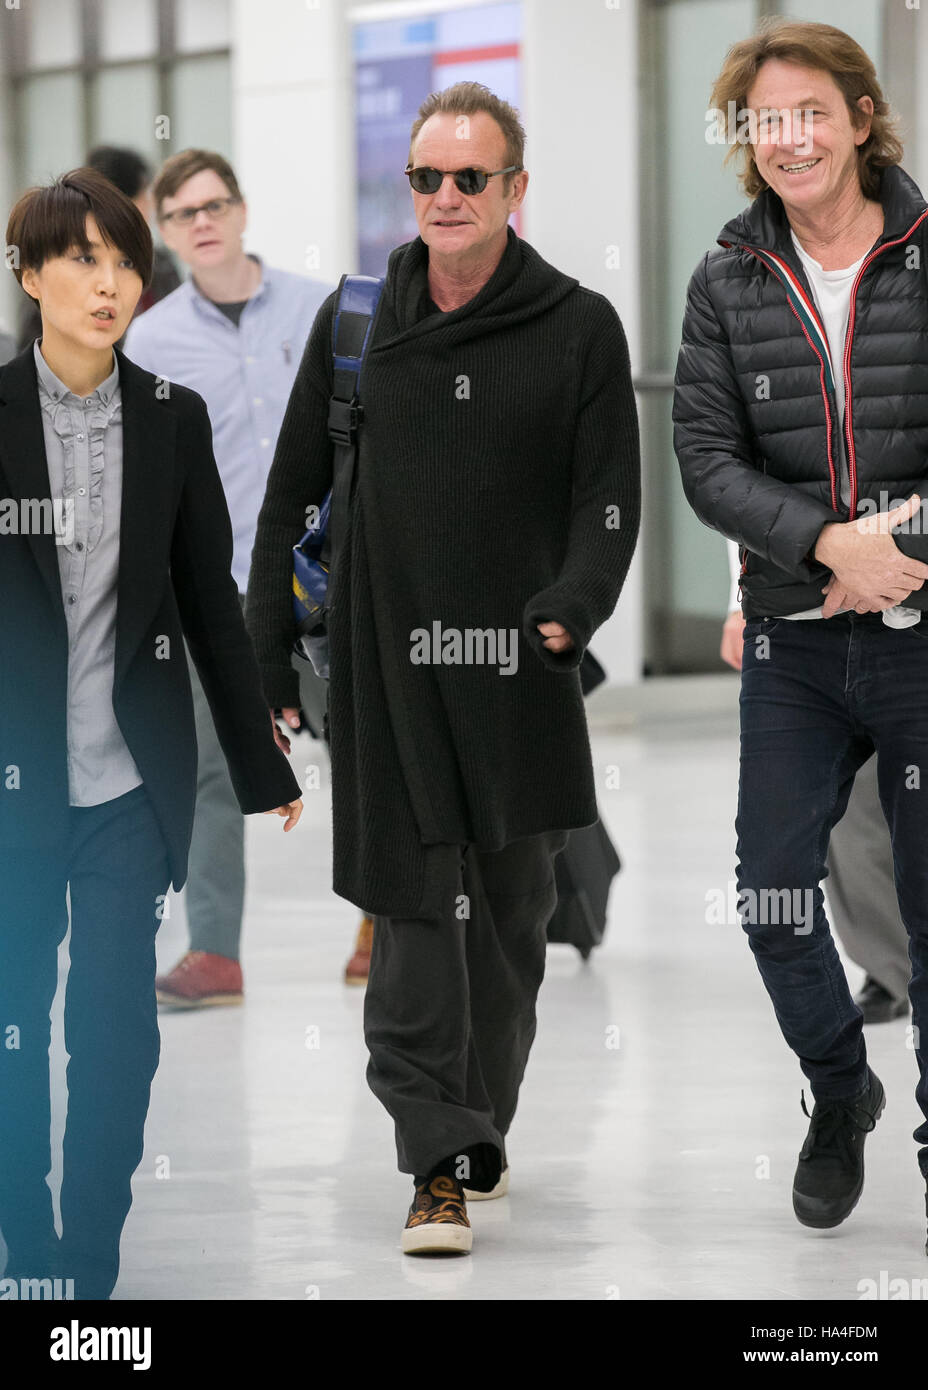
314, 556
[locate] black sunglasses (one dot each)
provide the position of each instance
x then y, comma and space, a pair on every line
467, 181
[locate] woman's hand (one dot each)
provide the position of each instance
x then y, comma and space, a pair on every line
292, 810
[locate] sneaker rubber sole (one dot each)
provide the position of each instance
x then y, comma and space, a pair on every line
437, 1238
177, 1001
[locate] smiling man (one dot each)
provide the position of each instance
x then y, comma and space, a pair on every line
96, 721
497, 490
801, 414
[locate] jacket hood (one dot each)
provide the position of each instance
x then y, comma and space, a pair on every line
764, 223
522, 287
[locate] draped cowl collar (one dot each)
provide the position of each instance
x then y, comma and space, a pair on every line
521, 287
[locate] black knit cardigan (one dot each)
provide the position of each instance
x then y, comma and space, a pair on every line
497, 487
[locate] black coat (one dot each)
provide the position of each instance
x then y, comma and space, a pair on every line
755, 412
496, 437
174, 579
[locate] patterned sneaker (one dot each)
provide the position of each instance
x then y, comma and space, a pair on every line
200, 978
437, 1223
358, 968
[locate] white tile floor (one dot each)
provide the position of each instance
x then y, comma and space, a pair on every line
657, 1133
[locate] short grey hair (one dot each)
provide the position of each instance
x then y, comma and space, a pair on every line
466, 99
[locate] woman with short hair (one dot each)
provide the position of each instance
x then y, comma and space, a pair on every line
115, 543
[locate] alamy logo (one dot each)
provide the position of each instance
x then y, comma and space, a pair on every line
76, 1343
778, 907
38, 516
887, 1289
36, 1290
469, 646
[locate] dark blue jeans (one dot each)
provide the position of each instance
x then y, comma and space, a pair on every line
817, 698
117, 868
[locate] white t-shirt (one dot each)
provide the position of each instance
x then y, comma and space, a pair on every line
831, 290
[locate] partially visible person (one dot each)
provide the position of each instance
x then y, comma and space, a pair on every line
861, 889
127, 549
132, 175
234, 332
358, 967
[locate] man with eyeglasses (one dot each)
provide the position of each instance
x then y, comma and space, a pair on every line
493, 519
234, 332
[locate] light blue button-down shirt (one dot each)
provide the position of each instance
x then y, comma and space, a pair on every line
244, 374
83, 451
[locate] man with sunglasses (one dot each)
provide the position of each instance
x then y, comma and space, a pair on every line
233, 332
493, 519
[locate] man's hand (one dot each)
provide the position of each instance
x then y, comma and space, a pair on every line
558, 638
292, 810
292, 717
867, 565
733, 639
838, 599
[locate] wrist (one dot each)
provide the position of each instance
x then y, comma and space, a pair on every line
822, 549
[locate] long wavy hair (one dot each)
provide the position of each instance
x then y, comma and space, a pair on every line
812, 46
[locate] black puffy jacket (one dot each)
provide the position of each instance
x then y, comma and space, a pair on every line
754, 404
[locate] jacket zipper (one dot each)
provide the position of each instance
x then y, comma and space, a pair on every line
848, 423
744, 565
846, 363
821, 360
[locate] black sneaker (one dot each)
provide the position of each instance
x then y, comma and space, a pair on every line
830, 1173
877, 1004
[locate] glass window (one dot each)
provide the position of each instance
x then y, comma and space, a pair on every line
128, 29
53, 126
202, 24
124, 106
54, 34
862, 19
690, 196
201, 104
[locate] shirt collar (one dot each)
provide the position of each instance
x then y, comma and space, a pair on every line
56, 388
203, 300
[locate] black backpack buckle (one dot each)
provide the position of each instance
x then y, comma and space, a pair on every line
344, 419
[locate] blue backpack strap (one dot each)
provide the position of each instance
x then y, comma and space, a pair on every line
352, 329
352, 326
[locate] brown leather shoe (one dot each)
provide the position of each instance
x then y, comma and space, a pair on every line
437, 1223
358, 968
200, 978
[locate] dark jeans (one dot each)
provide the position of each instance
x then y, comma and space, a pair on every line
817, 697
116, 865
449, 1012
